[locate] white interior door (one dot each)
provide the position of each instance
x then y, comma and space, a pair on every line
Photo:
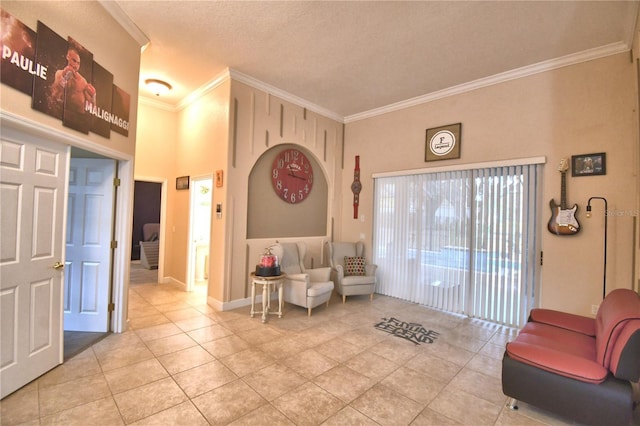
88, 244
32, 186
200, 231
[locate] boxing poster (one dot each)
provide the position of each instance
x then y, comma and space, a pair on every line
18, 54
103, 83
120, 111
62, 78
74, 82
51, 50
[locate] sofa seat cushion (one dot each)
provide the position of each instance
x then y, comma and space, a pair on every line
559, 351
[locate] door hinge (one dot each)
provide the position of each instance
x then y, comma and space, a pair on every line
111, 307
541, 257
114, 244
116, 181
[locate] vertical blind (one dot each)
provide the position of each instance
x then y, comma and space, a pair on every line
463, 241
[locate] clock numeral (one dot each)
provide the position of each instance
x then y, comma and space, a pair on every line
275, 173
284, 193
279, 185
301, 195
293, 197
280, 163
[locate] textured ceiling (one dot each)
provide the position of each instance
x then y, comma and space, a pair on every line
350, 57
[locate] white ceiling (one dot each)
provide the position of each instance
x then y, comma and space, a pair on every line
352, 57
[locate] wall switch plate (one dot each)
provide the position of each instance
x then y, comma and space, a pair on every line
362, 236
594, 309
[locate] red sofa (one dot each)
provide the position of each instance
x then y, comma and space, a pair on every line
579, 367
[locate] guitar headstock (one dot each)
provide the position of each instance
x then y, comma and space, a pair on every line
564, 165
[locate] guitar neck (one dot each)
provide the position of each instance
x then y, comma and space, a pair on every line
563, 190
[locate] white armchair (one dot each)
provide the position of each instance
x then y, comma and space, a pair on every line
356, 277
303, 287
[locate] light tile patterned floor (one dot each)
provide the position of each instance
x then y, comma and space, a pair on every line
181, 362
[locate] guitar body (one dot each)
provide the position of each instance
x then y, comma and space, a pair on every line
563, 221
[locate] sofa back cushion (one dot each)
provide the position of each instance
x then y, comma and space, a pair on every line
619, 308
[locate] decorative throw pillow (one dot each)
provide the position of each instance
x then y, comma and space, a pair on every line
353, 265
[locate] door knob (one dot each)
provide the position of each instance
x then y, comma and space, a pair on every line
58, 265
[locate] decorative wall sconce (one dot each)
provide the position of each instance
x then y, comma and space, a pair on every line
606, 214
157, 87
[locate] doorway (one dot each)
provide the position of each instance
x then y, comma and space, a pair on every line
145, 235
88, 266
35, 173
199, 233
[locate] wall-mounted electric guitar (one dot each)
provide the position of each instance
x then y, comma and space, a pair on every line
563, 220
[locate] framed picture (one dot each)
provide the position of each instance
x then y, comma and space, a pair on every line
588, 164
219, 178
443, 143
182, 182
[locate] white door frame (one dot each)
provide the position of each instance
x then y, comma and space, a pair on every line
191, 248
163, 221
124, 209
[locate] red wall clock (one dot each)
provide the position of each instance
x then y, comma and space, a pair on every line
292, 176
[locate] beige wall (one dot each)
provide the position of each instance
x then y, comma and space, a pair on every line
584, 108
258, 114
94, 28
269, 217
201, 148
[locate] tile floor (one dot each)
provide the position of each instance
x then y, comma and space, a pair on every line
181, 362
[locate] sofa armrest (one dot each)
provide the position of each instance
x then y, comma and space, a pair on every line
572, 322
554, 361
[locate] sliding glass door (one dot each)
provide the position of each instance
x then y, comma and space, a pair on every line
464, 241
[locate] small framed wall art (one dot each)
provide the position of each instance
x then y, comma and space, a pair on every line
588, 164
182, 182
443, 143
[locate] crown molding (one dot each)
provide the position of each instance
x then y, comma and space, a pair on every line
257, 84
204, 89
125, 22
153, 102
576, 58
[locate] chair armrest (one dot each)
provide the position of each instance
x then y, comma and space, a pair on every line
319, 274
572, 322
554, 361
370, 269
298, 277
339, 269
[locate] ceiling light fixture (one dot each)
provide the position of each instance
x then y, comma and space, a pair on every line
158, 87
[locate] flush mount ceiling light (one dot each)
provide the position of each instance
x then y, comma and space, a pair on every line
158, 87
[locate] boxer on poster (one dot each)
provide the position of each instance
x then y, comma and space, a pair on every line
72, 89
